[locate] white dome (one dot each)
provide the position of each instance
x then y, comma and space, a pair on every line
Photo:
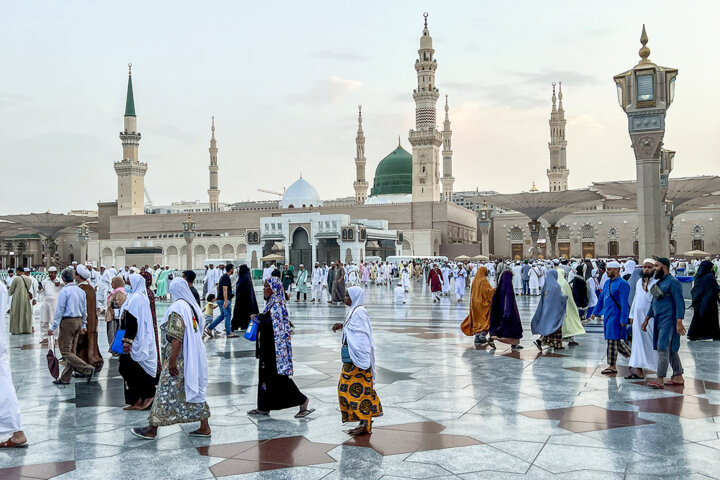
301, 194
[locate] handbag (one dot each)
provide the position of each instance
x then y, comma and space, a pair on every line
117, 344
52, 361
252, 330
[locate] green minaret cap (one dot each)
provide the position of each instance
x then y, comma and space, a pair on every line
130, 101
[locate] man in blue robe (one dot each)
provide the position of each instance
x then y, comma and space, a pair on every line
668, 310
614, 307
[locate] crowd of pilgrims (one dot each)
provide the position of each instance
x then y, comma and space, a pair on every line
164, 364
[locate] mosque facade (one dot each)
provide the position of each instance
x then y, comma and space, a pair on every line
406, 211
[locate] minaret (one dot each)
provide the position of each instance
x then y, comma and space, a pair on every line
130, 171
558, 172
447, 179
213, 192
426, 139
360, 184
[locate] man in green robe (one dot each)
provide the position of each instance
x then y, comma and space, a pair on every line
22, 302
301, 283
162, 282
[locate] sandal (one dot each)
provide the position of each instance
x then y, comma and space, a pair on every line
655, 385
304, 413
10, 444
197, 433
634, 376
357, 431
608, 371
232, 335
255, 411
141, 433
673, 383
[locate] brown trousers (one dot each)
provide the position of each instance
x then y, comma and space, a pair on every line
67, 343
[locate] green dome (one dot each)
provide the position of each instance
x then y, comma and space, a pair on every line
393, 174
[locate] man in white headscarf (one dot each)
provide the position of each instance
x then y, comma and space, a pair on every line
517, 278
139, 359
643, 355
10, 424
405, 277
180, 395
357, 404
446, 273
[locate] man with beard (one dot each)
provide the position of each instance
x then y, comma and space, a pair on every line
668, 311
643, 355
614, 307
435, 280
330, 281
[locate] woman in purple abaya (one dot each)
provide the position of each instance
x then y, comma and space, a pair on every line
505, 324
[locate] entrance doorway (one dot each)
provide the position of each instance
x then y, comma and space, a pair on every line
517, 251
588, 249
564, 249
300, 249
328, 250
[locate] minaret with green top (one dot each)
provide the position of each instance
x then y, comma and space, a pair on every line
130, 171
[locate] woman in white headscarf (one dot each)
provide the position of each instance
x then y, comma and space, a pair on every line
138, 363
356, 390
180, 396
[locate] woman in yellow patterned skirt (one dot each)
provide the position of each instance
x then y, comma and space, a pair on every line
356, 390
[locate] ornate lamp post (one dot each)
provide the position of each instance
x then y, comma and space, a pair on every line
534, 227
645, 92
485, 215
189, 235
83, 236
552, 231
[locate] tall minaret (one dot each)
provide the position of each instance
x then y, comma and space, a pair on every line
558, 171
213, 192
425, 139
360, 184
447, 179
130, 171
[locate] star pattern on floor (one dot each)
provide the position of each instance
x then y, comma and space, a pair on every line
589, 418
409, 438
262, 455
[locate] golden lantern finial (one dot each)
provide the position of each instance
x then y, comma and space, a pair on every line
534, 188
644, 50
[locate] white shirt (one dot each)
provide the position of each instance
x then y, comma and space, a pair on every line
317, 276
399, 293
50, 290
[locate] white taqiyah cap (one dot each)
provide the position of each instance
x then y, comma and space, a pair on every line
83, 271
613, 264
649, 260
52, 269
26, 269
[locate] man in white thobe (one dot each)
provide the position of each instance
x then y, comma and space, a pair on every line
210, 280
94, 279
517, 278
399, 294
316, 283
405, 277
642, 355
104, 288
534, 280
51, 287
10, 424
460, 275
446, 273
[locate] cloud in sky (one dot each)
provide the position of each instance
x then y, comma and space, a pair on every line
331, 90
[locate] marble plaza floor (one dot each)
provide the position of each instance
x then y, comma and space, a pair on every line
451, 410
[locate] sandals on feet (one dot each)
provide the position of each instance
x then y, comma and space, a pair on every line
141, 433
634, 376
197, 433
304, 413
673, 383
255, 411
10, 444
655, 385
608, 371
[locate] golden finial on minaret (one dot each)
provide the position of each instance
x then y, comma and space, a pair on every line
644, 50
534, 188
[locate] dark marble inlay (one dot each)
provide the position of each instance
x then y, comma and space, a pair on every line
589, 418
41, 471
685, 406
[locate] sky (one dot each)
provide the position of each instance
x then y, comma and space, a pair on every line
284, 78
